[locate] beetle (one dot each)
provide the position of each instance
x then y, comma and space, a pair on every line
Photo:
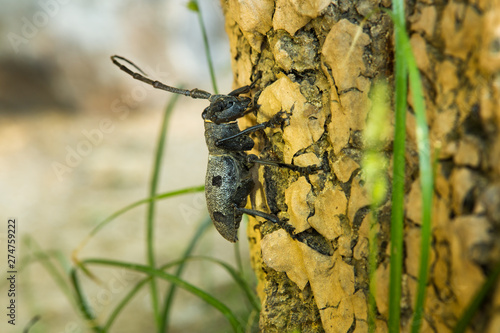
228, 180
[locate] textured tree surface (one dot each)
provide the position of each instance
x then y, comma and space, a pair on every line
320, 60
457, 47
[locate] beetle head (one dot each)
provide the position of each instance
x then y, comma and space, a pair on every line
225, 108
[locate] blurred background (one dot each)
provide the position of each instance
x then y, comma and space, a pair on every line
77, 144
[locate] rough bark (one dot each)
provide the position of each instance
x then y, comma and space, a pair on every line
322, 59
457, 47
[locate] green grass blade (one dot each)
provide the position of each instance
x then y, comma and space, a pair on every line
254, 301
128, 297
122, 211
31, 323
252, 297
125, 209
398, 181
151, 207
45, 259
237, 257
247, 289
114, 314
167, 307
235, 274
237, 327
403, 50
194, 6
84, 306
474, 304
426, 182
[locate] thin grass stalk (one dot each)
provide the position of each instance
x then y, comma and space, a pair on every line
476, 301
403, 51
167, 307
31, 323
45, 260
237, 256
125, 209
128, 297
194, 6
126, 300
234, 274
238, 278
166, 195
84, 305
398, 181
426, 182
151, 207
237, 326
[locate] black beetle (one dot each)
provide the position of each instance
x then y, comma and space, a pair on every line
228, 180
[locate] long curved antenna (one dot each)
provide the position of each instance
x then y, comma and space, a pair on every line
194, 93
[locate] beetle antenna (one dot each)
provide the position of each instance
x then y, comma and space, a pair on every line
194, 93
127, 61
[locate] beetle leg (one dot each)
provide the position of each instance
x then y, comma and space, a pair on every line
245, 89
276, 120
310, 237
282, 224
310, 169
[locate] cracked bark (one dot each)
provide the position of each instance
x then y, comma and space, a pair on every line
316, 57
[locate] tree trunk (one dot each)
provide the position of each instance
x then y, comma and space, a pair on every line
457, 47
319, 61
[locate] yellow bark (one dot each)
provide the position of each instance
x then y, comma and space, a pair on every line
320, 59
